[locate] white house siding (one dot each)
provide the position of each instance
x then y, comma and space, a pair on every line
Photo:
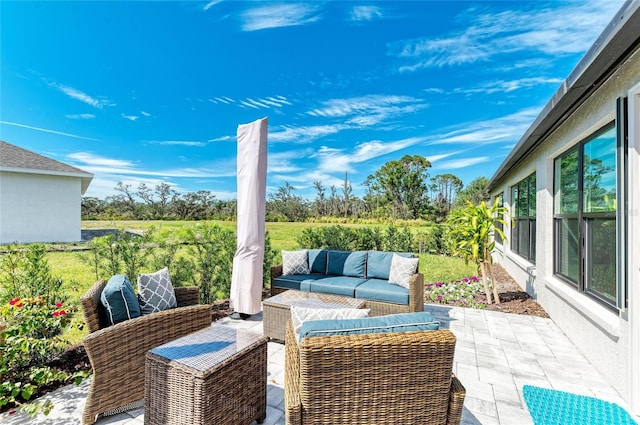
602, 335
39, 208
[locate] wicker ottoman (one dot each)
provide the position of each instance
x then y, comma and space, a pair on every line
215, 376
276, 310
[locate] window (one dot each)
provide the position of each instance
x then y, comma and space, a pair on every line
496, 235
585, 204
523, 231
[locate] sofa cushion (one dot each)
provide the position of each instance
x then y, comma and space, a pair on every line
318, 260
293, 281
338, 285
295, 262
382, 290
347, 263
299, 315
155, 292
404, 322
379, 263
402, 269
119, 300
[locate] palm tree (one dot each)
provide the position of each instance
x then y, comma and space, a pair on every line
473, 229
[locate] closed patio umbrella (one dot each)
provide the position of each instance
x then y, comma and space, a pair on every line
246, 279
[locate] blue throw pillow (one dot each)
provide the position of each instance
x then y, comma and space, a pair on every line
403, 322
318, 260
119, 300
379, 263
347, 263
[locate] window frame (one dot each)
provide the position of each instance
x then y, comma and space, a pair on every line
518, 219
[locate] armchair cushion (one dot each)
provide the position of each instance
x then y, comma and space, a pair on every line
299, 315
156, 292
295, 262
402, 269
119, 300
404, 322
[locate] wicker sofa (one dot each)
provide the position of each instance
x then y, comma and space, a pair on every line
380, 378
369, 281
117, 353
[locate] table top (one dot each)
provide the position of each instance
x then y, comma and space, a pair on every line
312, 300
207, 349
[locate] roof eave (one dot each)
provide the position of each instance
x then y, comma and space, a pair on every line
619, 39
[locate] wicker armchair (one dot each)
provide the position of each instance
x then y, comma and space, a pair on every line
384, 378
117, 353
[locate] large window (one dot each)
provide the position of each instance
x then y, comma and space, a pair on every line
523, 211
585, 203
499, 225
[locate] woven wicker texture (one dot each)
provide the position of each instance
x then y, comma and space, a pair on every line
552, 407
216, 376
117, 353
402, 377
276, 311
378, 308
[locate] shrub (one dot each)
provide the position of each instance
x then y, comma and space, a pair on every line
353, 239
30, 332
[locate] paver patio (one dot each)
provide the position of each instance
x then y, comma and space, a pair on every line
496, 354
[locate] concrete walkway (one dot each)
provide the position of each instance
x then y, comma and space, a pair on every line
496, 354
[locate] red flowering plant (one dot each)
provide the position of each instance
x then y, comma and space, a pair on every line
30, 336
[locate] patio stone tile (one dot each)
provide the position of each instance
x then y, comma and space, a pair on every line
509, 414
480, 406
507, 394
496, 377
469, 418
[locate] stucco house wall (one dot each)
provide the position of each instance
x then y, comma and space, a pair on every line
40, 198
604, 335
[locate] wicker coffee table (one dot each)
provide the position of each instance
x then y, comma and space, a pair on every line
215, 376
276, 310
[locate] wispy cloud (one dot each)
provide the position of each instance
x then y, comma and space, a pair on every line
80, 95
130, 117
80, 116
499, 130
455, 164
304, 134
75, 136
254, 103
146, 114
490, 34
280, 15
176, 143
221, 139
503, 86
365, 13
211, 4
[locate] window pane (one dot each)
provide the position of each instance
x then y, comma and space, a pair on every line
514, 236
566, 183
532, 238
601, 257
532, 195
567, 260
523, 199
600, 173
523, 238
514, 201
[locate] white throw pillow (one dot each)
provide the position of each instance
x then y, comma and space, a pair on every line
299, 315
295, 262
155, 292
402, 268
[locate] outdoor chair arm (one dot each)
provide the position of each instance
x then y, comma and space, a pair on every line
292, 404
456, 400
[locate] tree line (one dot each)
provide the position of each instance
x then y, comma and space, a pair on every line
400, 189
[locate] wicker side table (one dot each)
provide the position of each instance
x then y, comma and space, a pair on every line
276, 311
215, 376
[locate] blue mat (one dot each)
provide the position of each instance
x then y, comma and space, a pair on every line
551, 407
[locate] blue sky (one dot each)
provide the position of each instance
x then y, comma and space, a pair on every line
154, 91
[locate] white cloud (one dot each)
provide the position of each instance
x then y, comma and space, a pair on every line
279, 15
81, 96
91, 159
211, 4
80, 116
502, 86
176, 142
488, 34
365, 13
305, 134
455, 164
146, 114
221, 139
130, 117
45, 130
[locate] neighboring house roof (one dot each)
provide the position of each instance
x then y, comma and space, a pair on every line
18, 160
619, 40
